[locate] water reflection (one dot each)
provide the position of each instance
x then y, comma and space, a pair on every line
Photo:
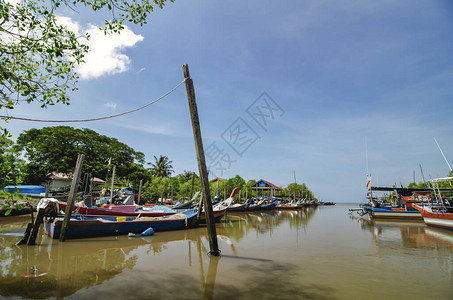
54, 269
411, 237
239, 224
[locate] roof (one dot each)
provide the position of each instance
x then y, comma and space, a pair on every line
60, 176
263, 184
405, 191
216, 179
97, 180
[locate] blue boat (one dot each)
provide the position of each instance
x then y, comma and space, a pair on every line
25, 189
83, 227
393, 213
269, 206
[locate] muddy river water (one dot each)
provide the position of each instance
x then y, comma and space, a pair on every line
321, 253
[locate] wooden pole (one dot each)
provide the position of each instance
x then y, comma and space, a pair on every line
171, 197
139, 191
71, 197
191, 189
162, 194
111, 187
205, 188
217, 188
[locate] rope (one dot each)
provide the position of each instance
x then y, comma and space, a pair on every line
100, 118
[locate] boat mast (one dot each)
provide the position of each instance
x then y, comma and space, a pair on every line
442, 152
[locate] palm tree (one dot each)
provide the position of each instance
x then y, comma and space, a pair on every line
161, 167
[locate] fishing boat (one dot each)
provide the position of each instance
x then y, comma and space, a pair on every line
392, 213
187, 204
220, 208
84, 227
253, 207
269, 206
435, 217
438, 213
115, 210
237, 207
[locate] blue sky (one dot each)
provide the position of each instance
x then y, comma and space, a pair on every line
340, 72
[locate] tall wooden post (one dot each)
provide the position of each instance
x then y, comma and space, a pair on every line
162, 194
191, 189
217, 188
71, 196
139, 191
205, 188
111, 187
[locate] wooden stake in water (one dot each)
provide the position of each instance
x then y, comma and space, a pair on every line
71, 197
205, 188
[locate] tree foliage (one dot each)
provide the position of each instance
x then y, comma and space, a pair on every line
38, 54
10, 163
56, 149
161, 167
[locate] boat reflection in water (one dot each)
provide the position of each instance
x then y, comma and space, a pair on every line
96, 267
307, 254
390, 236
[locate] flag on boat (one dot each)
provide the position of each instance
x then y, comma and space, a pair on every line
368, 183
110, 162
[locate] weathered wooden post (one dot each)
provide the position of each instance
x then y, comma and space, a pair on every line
71, 196
112, 184
162, 194
191, 189
217, 188
139, 191
205, 188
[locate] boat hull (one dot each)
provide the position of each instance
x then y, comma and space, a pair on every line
438, 219
98, 211
95, 227
233, 208
218, 215
393, 214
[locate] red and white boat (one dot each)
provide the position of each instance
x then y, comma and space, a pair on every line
439, 213
436, 216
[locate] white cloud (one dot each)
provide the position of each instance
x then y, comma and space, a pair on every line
110, 105
105, 55
105, 51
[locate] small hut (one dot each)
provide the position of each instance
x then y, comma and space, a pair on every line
266, 188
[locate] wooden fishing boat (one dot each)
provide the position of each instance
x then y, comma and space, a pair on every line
237, 207
252, 207
392, 213
269, 206
436, 217
288, 206
114, 210
187, 204
219, 209
83, 227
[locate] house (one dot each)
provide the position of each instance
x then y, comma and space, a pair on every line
58, 180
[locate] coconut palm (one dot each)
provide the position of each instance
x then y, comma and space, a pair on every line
161, 167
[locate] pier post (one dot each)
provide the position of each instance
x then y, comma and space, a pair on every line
205, 188
71, 197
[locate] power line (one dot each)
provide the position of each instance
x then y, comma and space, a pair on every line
96, 119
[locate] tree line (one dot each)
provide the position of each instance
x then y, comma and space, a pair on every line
38, 152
